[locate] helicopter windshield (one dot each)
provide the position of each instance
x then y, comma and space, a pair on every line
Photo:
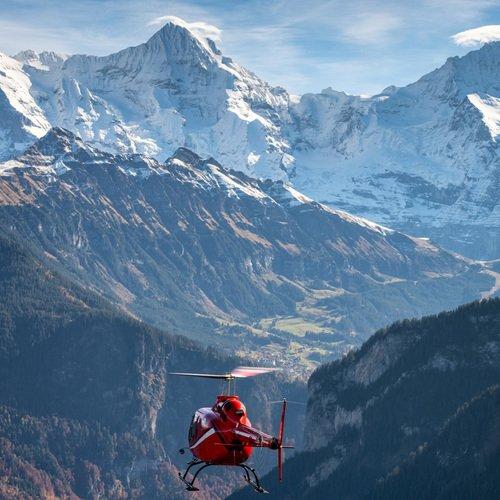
192, 429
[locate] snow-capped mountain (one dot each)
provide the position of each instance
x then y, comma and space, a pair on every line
21, 119
177, 89
423, 158
249, 264
420, 157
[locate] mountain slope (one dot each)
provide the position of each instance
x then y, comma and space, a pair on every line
383, 421
417, 158
463, 461
87, 407
422, 159
251, 265
21, 119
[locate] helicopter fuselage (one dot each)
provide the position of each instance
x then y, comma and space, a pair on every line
223, 434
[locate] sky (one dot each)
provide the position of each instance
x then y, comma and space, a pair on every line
358, 46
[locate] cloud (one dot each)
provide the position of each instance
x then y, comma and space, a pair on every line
200, 29
478, 36
378, 27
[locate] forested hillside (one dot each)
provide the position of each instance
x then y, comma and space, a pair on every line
414, 413
86, 404
462, 461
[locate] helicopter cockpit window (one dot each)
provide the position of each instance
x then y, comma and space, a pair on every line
205, 423
192, 429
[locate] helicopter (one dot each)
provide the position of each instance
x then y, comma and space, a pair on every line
222, 435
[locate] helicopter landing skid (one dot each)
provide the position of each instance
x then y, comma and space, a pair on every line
254, 484
249, 472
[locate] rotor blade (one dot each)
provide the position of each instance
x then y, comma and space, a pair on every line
280, 401
239, 372
203, 375
251, 371
280, 464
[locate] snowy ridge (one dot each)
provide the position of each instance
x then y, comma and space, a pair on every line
21, 119
43, 61
146, 100
489, 107
209, 174
416, 158
59, 151
425, 154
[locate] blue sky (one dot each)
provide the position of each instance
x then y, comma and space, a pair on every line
359, 46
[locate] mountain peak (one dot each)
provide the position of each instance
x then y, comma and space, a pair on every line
476, 71
44, 61
177, 31
185, 156
59, 135
55, 143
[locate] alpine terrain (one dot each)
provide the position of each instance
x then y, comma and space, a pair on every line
422, 158
87, 406
164, 210
250, 265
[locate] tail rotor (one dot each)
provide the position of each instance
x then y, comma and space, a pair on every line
281, 446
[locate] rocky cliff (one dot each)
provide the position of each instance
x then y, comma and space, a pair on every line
413, 413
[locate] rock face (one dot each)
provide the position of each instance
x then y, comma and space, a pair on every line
422, 159
412, 414
251, 265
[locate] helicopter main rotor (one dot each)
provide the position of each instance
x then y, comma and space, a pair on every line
238, 372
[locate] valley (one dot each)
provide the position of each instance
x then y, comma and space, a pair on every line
251, 266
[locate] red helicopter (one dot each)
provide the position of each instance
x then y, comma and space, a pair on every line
223, 434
